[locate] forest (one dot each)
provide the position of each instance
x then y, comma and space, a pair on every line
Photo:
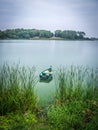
42, 34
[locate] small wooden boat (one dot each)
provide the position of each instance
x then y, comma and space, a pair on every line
46, 75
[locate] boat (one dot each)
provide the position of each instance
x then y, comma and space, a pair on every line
46, 75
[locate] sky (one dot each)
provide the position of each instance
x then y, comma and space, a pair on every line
79, 15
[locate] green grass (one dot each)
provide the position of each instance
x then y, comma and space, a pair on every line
76, 82
76, 100
17, 89
18, 121
74, 107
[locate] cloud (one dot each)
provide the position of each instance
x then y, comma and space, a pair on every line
50, 14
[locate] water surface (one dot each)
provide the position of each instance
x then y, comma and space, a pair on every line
43, 53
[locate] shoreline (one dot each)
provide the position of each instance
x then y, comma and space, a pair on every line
62, 39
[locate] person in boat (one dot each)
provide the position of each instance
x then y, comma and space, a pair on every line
48, 72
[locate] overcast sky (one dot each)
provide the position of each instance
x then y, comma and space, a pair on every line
79, 15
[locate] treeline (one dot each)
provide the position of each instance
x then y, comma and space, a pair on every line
34, 33
70, 34
24, 34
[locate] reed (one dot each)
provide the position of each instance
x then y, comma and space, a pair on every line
75, 106
76, 82
76, 100
17, 89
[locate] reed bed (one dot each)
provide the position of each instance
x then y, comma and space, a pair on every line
76, 82
74, 107
17, 89
76, 99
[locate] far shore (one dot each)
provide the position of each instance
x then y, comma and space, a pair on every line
54, 38
35, 34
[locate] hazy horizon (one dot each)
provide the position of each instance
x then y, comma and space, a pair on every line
78, 15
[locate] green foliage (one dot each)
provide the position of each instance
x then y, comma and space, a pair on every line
17, 91
24, 34
69, 34
73, 115
76, 82
18, 121
66, 117
58, 33
75, 106
34, 33
46, 34
76, 102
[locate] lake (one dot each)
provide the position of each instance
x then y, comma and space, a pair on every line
43, 53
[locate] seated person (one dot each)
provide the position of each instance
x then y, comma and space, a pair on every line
48, 72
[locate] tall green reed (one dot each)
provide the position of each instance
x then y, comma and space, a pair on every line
76, 102
76, 82
17, 89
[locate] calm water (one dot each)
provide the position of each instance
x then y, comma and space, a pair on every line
43, 53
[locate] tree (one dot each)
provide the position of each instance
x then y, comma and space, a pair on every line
44, 33
58, 33
31, 33
80, 35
